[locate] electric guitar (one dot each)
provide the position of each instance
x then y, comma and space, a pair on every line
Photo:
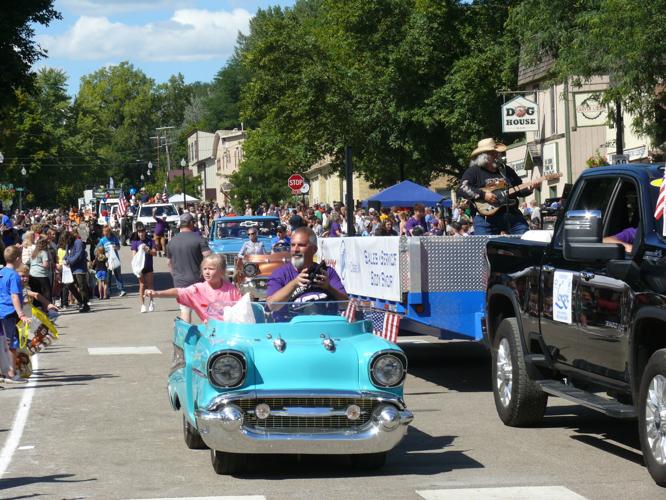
499, 188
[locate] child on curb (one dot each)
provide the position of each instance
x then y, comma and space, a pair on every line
11, 311
23, 272
213, 289
100, 266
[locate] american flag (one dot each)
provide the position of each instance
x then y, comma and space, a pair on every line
350, 312
661, 200
385, 325
122, 204
165, 193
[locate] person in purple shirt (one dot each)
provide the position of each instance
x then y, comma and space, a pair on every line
160, 232
418, 219
290, 282
625, 237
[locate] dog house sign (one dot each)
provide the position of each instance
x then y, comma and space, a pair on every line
520, 115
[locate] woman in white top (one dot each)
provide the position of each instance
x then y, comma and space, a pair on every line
40, 270
28, 247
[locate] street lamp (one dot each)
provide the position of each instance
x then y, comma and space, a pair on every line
183, 164
24, 172
142, 178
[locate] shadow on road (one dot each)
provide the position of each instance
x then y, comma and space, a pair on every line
54, 378
459, 366
619, 437
15, 482
419, 454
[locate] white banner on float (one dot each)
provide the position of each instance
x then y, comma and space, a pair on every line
369, 267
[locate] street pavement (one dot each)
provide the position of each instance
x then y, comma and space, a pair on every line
99, 425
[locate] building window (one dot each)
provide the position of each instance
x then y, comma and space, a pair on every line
553, 192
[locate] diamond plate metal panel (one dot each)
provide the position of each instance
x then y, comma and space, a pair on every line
454, 264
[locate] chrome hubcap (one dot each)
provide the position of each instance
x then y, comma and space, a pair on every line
655, 418
504, 372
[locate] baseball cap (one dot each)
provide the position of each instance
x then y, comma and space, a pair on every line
186, 219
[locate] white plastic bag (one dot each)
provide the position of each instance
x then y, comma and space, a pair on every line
67, 276
112, 256
240, 312
139, 260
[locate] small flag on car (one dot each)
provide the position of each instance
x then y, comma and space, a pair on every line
661, 203
350, 312
385, 325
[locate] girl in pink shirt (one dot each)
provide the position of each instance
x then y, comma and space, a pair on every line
214, 289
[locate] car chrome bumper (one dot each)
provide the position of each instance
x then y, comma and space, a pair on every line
222, 428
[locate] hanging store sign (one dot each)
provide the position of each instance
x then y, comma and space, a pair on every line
520, 115
590, 112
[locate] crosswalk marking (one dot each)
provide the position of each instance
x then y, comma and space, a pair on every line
232, 497
503, 493
111, 351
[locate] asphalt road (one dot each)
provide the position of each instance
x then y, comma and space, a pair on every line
100, 426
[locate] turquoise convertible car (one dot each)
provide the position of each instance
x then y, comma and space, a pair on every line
300, 380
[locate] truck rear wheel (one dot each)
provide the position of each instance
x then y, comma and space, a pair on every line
652, 416
519, 401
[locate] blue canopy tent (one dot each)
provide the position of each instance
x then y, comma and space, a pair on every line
406, 194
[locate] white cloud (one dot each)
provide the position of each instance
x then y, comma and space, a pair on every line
110, 7
190, 35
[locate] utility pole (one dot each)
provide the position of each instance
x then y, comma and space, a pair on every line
166, 143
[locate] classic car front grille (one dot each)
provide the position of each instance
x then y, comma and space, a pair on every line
230, 259
275, 422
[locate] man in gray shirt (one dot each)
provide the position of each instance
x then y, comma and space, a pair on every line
185, 251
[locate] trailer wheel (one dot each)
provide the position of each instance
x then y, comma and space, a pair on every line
519, 401
652, 416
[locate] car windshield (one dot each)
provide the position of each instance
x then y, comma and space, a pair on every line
284, 312
239, 229
160, 211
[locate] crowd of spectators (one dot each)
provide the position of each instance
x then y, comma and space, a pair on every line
330, 221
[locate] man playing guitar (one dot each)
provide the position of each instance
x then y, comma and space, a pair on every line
485, 170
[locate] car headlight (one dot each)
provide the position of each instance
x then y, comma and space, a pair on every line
227, 369
250, 270
388, 369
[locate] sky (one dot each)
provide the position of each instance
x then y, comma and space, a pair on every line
160, 37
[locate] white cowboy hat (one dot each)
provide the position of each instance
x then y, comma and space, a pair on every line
487, 145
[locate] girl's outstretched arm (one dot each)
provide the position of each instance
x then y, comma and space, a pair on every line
171, 292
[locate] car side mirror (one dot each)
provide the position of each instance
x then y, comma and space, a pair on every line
582, 238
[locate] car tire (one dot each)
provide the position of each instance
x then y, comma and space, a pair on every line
192, 437
228, 463
651, 428
519, 401
369, 461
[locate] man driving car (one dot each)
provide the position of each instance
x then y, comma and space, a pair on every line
290, 282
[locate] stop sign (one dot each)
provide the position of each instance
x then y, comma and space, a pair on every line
296, 182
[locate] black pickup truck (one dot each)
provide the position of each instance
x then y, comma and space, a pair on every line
582, 318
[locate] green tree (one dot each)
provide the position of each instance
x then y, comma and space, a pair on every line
41, 139
223, 101
262, 177
624, 39
115, 113
18, 51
